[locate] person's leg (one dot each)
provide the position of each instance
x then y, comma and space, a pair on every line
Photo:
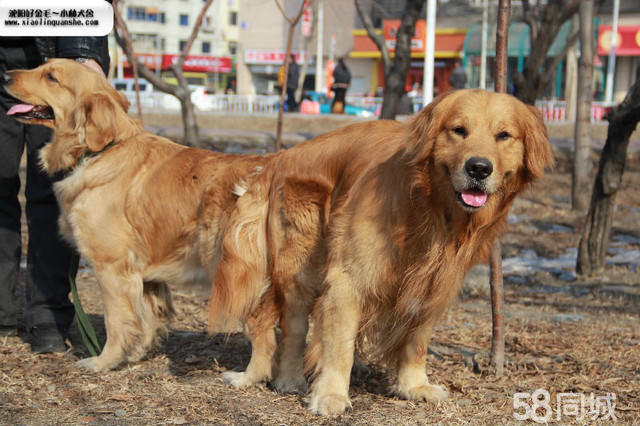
291, 101
48, 310
11, 147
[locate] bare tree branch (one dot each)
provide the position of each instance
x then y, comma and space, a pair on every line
570, 9
130, 54
570, 42
283, 90
122, 35
194, 34
371, 32
181, 91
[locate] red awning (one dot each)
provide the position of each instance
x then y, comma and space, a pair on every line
195, 63
627, 40
199, 63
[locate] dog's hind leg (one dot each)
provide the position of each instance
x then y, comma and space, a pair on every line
260, 328
412, 382
298, 272
124, 312
154, 317
294, 324
338, 318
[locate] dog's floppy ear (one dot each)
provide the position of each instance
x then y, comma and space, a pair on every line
123, 101
97, 116
537, 149
423, 129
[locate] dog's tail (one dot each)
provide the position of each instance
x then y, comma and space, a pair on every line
241, 277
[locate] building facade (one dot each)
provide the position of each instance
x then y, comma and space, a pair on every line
263, 34
160, 29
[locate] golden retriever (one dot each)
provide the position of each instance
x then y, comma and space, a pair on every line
144, 211
372, 226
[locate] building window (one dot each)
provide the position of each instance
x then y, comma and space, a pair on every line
206, 47
184, 20
233, 18
144, 14
233, 47
183, 43
136, 13
162, 18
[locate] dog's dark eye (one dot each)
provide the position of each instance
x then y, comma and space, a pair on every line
460, 131
50, 77
503, 136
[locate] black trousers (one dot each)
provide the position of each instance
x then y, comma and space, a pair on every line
292, 105
339, 96
48, 257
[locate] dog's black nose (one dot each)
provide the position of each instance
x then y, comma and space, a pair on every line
478, 168
6, 78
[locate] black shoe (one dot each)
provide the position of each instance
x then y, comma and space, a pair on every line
8, 330
46, 339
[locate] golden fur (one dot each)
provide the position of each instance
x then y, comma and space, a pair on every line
367, 226
144, 211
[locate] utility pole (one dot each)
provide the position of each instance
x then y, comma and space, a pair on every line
483, 51
429, 52
611, 66
319, 47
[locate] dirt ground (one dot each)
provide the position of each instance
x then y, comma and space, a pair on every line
564, 335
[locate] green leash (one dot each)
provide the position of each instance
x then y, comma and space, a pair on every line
87, 332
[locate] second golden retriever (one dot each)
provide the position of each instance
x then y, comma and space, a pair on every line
373, 226
144, 211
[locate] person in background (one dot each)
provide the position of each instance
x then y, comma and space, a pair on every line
48, 312
341, 81
458, 78
292, 84
416, 90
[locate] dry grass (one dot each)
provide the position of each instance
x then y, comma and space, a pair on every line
180, 382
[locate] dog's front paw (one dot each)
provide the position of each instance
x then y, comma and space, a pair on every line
297, 384
238, 379
426, 392
99, 363
329, 405
90, 364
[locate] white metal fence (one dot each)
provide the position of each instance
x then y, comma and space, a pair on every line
234, 104
552, 110
556, 111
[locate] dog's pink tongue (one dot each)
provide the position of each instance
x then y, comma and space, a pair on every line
20, 109
474, 198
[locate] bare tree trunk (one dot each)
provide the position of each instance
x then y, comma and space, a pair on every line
395, 73
623, 120
495, 256
581, 175
181, 91
544, 23
283, 91
571, 88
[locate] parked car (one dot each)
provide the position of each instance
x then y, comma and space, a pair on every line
151, 98
127, 86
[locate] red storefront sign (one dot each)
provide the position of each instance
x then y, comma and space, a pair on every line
627, 40
269, 57
306, 19
149, 59
195, 63
391, 27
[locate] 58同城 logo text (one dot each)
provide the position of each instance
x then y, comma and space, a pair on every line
538, 406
